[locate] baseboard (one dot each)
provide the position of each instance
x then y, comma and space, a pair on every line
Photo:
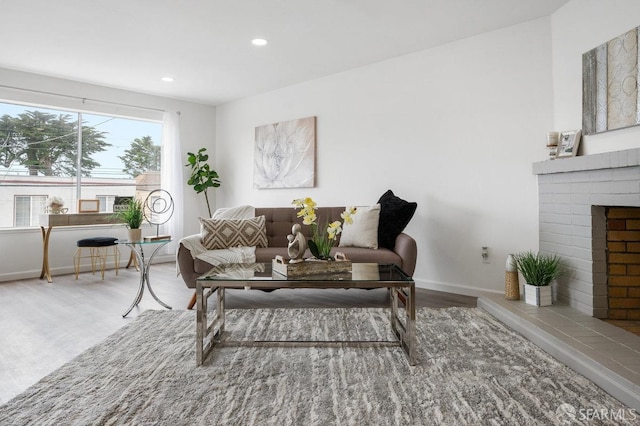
454, 288
68, 269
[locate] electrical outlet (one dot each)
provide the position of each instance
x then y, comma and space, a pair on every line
485, 255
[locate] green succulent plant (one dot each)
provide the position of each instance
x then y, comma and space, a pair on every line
538, 269
133, 215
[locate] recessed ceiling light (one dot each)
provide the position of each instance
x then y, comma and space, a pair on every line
259, 42
168, 79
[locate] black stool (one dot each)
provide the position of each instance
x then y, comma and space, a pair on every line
98, 252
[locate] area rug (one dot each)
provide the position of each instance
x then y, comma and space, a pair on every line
472, 370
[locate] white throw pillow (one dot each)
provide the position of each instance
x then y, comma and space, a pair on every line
363, 232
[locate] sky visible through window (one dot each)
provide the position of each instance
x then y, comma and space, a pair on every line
119, 132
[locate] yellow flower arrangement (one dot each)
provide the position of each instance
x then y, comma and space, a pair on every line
322, 238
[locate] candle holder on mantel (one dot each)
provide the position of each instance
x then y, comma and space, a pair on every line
552, 143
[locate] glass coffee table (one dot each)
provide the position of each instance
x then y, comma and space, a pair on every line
260, 276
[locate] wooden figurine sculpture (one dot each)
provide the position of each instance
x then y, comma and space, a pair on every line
297, 244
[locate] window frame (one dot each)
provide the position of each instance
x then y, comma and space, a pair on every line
78, 107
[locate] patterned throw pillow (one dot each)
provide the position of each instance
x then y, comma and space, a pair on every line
225, 233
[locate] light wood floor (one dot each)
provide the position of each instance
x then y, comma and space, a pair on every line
44, 325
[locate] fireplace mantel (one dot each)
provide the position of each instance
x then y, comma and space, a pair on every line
606, 160
573, 194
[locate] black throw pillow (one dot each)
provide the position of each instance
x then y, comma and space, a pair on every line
395, 214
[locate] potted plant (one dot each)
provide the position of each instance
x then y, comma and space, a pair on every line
324, 237
202, 176
133, 217
538, 271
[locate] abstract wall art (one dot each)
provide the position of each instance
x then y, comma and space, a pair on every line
610, 85
284, 155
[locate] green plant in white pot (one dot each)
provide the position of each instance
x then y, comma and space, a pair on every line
538, 271
132, 216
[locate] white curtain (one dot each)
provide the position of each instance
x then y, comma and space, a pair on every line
172, 181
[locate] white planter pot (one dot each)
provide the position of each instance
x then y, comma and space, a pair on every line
537, 295
135, 234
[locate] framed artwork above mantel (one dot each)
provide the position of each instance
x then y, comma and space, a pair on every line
610, 96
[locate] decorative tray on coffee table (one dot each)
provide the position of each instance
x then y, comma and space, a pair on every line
309, 267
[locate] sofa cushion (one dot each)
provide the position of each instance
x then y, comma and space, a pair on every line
225, 233
363, 232
267, 254
365, 255
395, 214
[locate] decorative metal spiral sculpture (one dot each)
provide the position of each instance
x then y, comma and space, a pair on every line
158, 207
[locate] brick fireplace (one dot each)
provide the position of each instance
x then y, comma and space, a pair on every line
575, 196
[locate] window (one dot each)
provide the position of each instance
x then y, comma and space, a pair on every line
28, 209
74, 156
106, 203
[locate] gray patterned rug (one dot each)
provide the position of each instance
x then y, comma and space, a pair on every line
472, 370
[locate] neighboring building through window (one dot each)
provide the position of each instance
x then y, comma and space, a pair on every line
52, 152
106, 203
28, 209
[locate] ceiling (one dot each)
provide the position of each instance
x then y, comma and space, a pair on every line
205, 44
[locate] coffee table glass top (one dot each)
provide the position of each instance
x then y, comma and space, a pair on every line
360, 272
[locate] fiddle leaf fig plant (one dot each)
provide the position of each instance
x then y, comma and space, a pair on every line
202, 176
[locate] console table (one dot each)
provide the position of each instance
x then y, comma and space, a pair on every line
48, 221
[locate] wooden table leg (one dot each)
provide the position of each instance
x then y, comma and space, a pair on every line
133, 259
192, 301
45, 253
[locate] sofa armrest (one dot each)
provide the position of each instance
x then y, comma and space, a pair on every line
193, 243
186, 266
407, 249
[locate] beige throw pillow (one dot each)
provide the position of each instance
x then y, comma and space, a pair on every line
225, 233
363, 232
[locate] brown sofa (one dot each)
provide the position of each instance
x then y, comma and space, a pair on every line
279, 221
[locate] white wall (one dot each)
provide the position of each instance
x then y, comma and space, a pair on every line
22, 248
455, 128
578, 27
